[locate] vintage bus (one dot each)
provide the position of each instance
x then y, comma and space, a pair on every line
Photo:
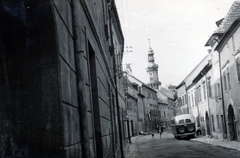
183, 126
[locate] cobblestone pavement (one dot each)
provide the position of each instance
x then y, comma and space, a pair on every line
132, 151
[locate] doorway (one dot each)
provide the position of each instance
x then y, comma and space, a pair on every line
231, 123
207, 123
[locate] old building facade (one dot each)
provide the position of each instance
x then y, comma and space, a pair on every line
228, 49
216, 83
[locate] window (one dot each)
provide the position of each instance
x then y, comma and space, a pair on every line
129, 105
196, 95
188, 121
204, 91
217, 90
199, 92
222, 123
183, 100
209, 88
213, 123
180, 101
192, 99
181, 121
218, 125
185, 97
224, 80
189, 102
238, 68
228, 78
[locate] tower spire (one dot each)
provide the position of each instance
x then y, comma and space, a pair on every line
152, 69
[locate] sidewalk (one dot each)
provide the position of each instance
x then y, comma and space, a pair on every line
131, 149
218, 142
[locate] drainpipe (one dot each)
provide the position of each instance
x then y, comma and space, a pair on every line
79, 49
199, 122
223, 104
186, 97
115, 81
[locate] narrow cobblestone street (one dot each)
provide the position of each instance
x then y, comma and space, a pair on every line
168, 146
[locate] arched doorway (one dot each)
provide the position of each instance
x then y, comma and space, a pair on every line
207, 123
231, 123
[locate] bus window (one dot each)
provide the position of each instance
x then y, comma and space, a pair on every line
188, 121
181, 121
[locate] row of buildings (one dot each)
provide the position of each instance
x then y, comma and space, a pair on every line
211, 90
149, 105
63, 92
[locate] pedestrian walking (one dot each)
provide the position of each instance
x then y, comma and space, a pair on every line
162, 128
161, 131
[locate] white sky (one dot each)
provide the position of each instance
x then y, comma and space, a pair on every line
178, 30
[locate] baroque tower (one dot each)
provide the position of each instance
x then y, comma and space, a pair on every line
152, 70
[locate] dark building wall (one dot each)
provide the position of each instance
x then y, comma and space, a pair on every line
29, 91
56, 67
62, 13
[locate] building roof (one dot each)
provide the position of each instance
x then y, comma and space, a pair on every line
206, 68
172, 87
144, 85
188, 80
162, 98
134, 79
232, 15
170, 94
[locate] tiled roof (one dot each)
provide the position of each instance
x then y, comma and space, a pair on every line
232, 15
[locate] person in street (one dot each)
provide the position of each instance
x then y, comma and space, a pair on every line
162, 128
160, 131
